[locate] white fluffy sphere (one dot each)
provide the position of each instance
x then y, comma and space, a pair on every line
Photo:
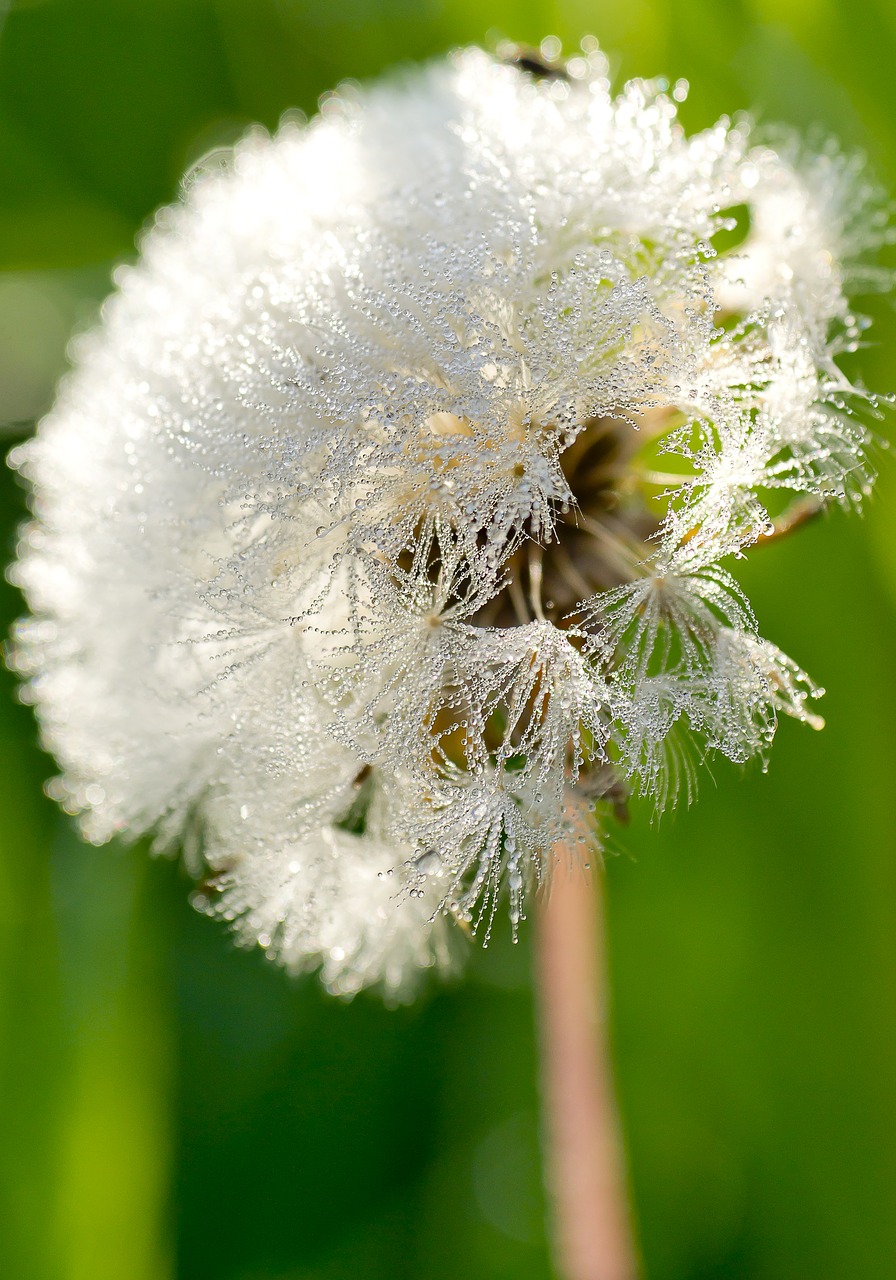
382, 514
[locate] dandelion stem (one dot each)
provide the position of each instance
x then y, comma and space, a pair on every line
585, 1167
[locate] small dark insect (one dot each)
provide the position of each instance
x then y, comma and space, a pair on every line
531, 60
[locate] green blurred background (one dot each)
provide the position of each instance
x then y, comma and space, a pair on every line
171, 1107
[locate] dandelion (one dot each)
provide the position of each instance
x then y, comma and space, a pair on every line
383, 531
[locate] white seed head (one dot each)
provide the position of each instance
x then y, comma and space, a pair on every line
379, 523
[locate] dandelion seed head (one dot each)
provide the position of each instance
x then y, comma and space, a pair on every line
381, 519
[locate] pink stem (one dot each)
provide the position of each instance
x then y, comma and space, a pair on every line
586, 1177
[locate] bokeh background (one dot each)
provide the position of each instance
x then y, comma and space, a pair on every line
171, 1107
